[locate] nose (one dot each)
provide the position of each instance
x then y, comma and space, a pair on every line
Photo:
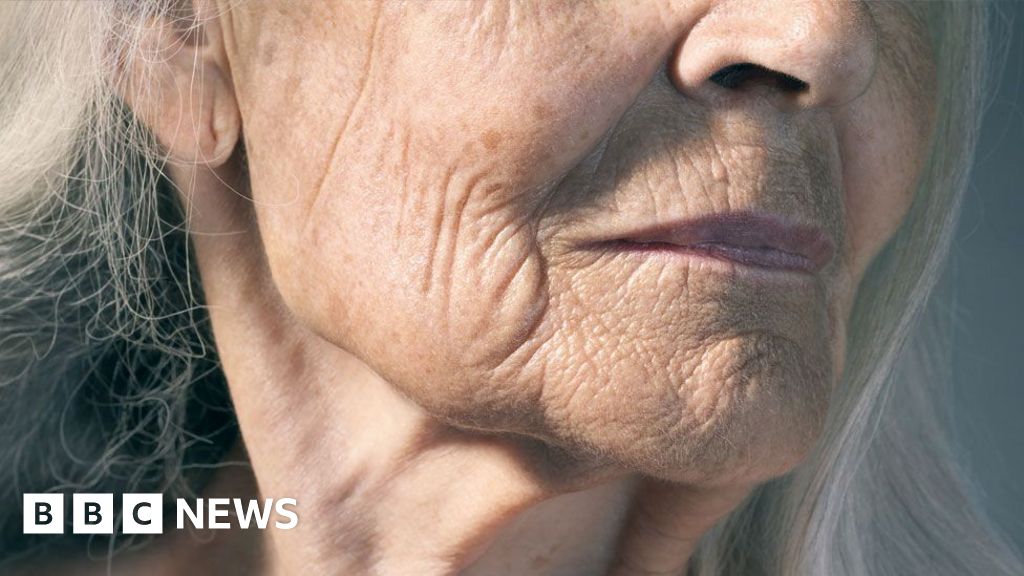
803, 52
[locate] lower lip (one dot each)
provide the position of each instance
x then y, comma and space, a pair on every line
768, 259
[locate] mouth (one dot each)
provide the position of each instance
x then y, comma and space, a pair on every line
746, 239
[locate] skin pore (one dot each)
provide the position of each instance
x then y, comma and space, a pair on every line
400, 214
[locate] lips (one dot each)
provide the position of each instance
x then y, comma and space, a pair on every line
742, 238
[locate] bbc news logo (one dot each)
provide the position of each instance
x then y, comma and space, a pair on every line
144, 513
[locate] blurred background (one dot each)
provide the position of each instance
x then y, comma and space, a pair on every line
988, 279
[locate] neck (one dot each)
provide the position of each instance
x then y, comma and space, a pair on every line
384, 489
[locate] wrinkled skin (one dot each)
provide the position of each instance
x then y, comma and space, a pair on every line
423, 329
427, 201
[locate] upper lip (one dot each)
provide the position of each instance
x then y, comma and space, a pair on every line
751, 239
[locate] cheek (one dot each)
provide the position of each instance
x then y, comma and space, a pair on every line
883, 141
413, 235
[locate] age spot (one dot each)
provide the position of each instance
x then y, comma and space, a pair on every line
491, 139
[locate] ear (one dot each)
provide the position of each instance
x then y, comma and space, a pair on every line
178, 83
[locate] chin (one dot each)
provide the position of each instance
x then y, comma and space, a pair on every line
693, 372
749, 410
734, 411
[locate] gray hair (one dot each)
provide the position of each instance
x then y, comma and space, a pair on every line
108, 378
109, 381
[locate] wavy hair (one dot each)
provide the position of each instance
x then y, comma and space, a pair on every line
109, 381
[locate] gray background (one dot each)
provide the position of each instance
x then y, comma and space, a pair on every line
988, 275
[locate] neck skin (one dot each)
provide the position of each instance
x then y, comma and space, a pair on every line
382, 488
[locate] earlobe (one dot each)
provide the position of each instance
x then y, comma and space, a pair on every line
178, 84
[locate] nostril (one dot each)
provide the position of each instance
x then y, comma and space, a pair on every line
746, 74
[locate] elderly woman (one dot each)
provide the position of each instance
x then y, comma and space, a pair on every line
529, 288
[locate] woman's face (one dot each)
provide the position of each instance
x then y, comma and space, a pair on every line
574, 220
